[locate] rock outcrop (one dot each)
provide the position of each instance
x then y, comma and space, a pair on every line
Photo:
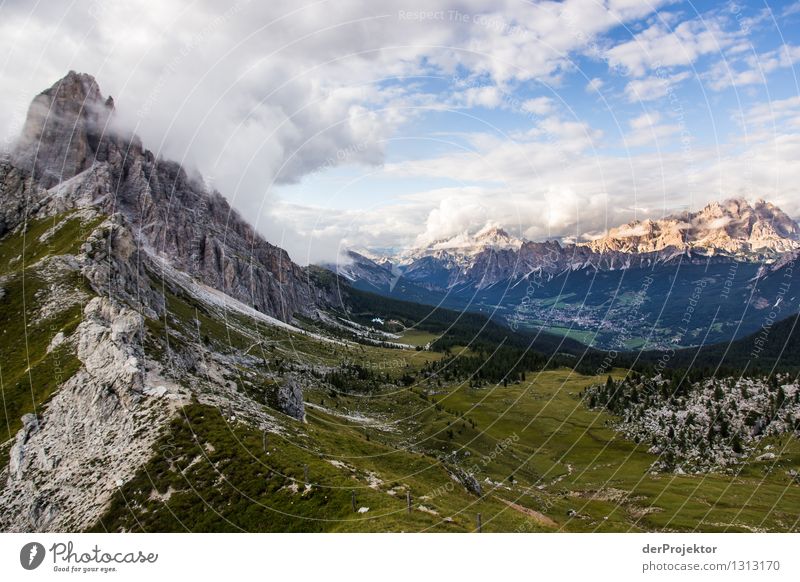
290, 399
93, 435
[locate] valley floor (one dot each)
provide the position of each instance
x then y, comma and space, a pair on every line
543, 461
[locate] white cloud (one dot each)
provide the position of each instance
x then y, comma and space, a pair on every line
720, 222
770, 117
594, 85
654, 87
630, 231
751, 68
648, 129
257, 94
533, 189
263, 94
660, 46
538, 106
791, 9
489, 97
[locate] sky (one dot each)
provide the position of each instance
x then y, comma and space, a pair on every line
383, 125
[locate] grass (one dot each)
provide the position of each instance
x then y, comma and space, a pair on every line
218, 476
24, 247
28, 374
532, 444
543, 460
416, 337
605, 479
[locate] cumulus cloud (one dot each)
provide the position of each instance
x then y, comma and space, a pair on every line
770, 116
654, 87
629, 231
261, 95
541, 193
594, 85
720, 222
662, 46
647, 129
538, 106
751, 68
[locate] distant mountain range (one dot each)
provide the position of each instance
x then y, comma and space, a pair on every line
734, 228
582, 289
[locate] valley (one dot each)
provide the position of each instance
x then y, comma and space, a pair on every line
686, 301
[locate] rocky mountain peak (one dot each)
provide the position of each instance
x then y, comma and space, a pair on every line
492, 232
732, 226
64, 130
70, 155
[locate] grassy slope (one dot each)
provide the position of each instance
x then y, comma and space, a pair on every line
609, 476
535, 441
29, 374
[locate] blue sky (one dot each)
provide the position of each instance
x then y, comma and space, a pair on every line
396, 123
627, 101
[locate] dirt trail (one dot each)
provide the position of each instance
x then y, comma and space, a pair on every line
540, 518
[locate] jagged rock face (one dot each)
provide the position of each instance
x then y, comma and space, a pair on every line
356, 267
149, 218
64, 130
20, 195
733, 226
642, 237
70, 154
443, 271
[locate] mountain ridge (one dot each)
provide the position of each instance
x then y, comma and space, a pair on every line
71, 154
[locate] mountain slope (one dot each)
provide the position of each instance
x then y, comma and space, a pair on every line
101, 243
126, 329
